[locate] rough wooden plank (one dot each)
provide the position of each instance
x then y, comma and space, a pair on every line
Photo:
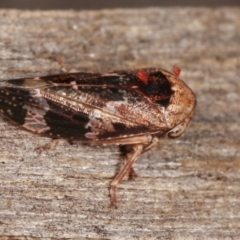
186, 188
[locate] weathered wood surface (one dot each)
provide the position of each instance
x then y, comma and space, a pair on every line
187, 188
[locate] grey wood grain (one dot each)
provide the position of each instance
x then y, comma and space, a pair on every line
186, 188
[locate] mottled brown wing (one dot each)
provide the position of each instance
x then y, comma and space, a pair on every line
86, 106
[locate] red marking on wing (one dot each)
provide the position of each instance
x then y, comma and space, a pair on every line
142, 76
176, 70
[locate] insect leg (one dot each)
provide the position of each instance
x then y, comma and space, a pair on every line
131, 158
50, 145
151, 145
154, 142
131, 174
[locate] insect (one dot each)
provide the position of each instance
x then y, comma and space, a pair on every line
133, 108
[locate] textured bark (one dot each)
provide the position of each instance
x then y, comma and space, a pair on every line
186, 188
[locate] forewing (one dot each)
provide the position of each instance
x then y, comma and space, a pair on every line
81, 106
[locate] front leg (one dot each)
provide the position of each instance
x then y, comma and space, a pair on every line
132, 173
130, 159
137, 150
